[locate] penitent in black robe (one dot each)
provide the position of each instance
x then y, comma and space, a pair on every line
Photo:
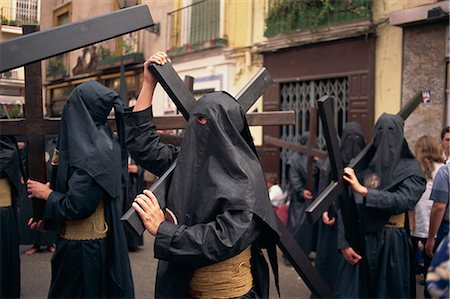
91, 167
217, 193
395, 182
343, 278
298, 225
9, 233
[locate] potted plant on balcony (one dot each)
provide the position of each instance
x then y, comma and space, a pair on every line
56, 69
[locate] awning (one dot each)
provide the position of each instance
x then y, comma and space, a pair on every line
11, 100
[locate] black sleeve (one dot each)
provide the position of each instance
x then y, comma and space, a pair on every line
297, 178
80, 201
403, 198
144, 143
207, 243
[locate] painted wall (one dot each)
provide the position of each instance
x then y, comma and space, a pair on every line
244, 22
388, 61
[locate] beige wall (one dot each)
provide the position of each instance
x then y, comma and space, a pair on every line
388, 61
82, 9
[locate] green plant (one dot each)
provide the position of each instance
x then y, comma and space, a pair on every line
128, 45
290, 15
56, 68
103, 53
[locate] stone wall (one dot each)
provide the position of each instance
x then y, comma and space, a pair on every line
424, 68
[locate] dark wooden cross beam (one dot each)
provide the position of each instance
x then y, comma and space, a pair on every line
311, 143
308, 150
178, 92
295, 147
36, 45
338, 188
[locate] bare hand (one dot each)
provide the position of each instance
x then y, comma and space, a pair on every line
350, 256
327, 220
36, 225
352, 180
147, 206
132, 168
429, 246
157, 58
307, 194
38, 190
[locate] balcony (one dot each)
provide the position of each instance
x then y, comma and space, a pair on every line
13, 75
18, 17
287, 16
196, 27
56, 68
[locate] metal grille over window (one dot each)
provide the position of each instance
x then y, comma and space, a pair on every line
300, 96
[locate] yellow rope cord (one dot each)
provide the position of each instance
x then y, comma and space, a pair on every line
5, 193
227, 279
396, 221
92, 228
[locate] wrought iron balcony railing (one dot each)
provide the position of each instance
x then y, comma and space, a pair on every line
286, 16
18, 16
196, 26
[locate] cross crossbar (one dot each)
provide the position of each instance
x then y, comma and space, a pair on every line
295, 147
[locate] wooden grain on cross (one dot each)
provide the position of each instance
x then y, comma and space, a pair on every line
309, 149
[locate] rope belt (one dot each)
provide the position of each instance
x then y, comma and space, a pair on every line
227, 279
5, 193
396, 221
92, 228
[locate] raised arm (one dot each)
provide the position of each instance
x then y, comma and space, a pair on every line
141, 138
145, 97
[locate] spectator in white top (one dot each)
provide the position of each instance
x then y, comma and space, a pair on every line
428, 152
276, 194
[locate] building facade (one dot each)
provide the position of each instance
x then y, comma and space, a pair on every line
13, 14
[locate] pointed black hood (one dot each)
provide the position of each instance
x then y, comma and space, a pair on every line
85, 138
217, 168
392, 161
352, 141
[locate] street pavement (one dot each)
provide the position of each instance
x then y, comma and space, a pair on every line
36, 274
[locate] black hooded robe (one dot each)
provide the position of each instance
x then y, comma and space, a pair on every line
298, 225
9, 232
217, 193
395, 182
91, 167
341, 277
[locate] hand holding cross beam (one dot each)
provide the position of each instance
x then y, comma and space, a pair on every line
337, 188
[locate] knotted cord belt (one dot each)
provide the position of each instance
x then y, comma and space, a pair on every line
5, 193
93, 227
226, 279
396, 221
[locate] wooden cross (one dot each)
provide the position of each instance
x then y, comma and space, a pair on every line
184, 100
36, 45
309, 149
337, 189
